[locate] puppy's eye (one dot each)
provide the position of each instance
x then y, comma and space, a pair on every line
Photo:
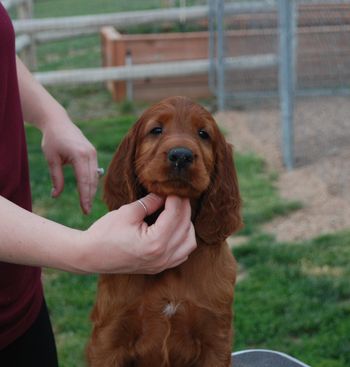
156, 131
203, 134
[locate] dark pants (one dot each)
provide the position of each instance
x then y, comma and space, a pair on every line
34, 348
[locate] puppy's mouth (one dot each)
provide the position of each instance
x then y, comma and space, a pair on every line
175, 185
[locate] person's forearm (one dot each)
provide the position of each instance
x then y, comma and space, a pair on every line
119, 242
26, 238
39, 107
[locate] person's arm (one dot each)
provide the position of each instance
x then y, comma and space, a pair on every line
62, 143
119, 242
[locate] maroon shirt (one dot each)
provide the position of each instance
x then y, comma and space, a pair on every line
20, 286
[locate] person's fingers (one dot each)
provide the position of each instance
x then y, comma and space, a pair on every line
176, 213
83, 177
174, 224
94, 176
170, 239
57, 178
180, 253
189, 244
145, 206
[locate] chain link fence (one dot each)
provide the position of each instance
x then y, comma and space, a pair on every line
321, 42
288, 48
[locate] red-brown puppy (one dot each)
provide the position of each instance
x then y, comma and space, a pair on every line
181, 317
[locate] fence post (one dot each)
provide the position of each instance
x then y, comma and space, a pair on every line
220, 64
28, 55
287, 60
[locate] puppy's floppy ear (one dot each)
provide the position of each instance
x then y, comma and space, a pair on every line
121, 184
219, 212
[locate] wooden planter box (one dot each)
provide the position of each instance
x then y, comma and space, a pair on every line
118, 50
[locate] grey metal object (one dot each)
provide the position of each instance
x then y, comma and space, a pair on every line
129, 83
212, 48
264, 358
220, 71
287, 24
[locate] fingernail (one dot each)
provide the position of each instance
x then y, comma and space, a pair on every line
53, 192
88, 207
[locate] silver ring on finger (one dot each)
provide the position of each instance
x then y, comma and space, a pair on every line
143, 206
100, 172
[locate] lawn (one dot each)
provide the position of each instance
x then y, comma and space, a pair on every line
293, 297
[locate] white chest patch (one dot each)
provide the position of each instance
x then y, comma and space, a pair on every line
170, 309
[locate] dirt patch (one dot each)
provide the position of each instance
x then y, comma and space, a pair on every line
321, 179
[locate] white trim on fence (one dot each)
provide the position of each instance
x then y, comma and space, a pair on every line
22, 42
158, 70
120, 20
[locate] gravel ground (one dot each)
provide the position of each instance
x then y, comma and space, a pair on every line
321, 179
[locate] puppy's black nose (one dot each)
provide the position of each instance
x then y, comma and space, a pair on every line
180, 157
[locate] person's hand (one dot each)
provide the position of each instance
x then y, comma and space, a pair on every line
63, 143
121, 242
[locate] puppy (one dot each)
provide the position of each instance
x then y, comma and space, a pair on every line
181, 317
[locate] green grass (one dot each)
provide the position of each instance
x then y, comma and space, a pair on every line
105, 135
82, 52
260, 199
60, 8
295, 297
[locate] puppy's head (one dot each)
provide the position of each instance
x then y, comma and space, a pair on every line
176, 148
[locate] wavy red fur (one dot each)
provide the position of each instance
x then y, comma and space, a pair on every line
181, 317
